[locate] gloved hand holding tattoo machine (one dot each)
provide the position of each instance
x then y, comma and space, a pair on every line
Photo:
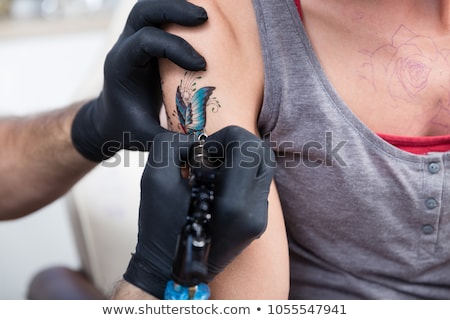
210, 217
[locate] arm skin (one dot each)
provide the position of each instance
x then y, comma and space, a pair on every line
34, 169
229, 42
126, 291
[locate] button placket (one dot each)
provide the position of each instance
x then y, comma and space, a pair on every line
433, 182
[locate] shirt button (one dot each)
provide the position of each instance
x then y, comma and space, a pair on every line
431, 203
427, 229
434, 167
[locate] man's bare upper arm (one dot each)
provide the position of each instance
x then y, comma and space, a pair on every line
231, 92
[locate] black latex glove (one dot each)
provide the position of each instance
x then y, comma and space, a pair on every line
239, 213
126, 114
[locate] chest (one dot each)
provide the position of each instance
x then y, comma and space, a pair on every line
396, 81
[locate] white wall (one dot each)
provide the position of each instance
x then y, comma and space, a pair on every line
36, 74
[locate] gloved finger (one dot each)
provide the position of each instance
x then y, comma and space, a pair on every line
245, 156
167, 155
151, 42
244, 176
156, 13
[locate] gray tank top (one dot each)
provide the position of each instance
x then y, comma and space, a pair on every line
364, 219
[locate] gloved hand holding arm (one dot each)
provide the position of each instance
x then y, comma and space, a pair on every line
126, 114
39, 162
239, 212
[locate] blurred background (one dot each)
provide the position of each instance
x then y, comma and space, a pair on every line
49, 51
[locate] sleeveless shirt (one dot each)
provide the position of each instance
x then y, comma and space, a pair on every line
365, 220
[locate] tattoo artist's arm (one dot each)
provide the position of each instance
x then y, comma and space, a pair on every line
38, 163
126, 291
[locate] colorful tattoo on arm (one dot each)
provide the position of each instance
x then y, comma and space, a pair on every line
191, 104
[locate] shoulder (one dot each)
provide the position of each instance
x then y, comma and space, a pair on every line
229, 23
229, 41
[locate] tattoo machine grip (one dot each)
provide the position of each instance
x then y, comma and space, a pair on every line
190, 267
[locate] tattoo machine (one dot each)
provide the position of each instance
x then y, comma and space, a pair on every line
190, 267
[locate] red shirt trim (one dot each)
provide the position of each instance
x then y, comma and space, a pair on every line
299, 8
419, 145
